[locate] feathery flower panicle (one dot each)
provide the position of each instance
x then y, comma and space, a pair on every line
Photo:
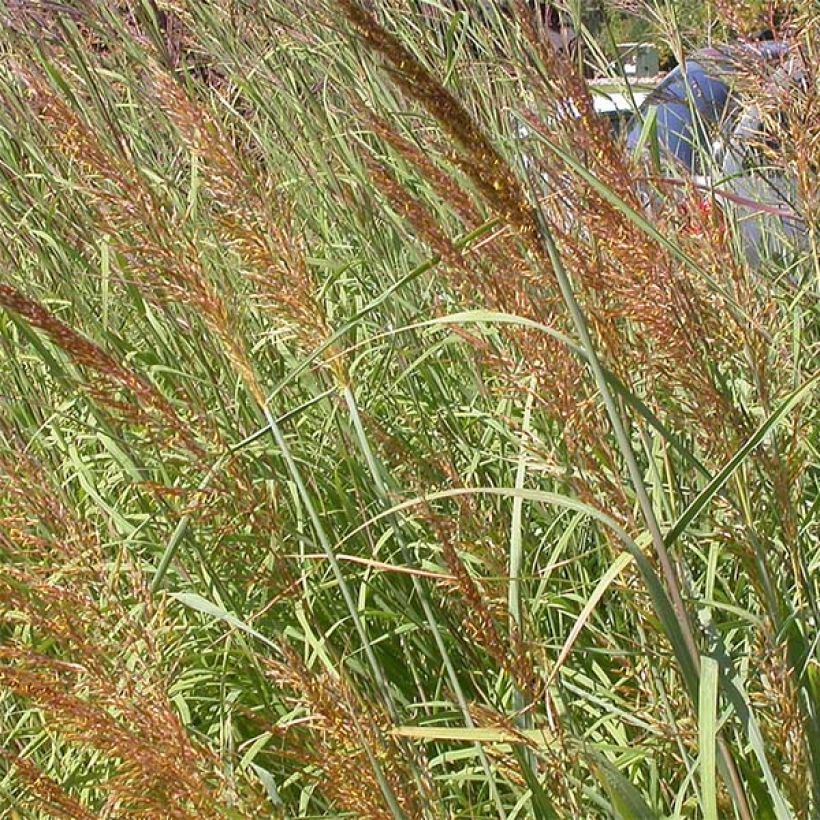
475, 154
148, 406
747, 17
45, 794
253, 216
336, 742
624, 274
555, 758
498, 273
496, 268
29, 501
102, 686
628, 280
443, 183
784, 727
161, 255
159, 769
416, 215
500, 249
481, 623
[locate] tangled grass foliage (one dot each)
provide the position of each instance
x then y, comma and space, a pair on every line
377, 439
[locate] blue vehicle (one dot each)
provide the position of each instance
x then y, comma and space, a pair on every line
694, 103
698, 127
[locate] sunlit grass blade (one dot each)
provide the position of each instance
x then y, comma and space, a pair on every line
708, 730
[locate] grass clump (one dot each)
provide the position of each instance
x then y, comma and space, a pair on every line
379, 440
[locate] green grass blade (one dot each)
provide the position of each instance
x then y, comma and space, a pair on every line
626, 799
719, 481
707, 735
604, 582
